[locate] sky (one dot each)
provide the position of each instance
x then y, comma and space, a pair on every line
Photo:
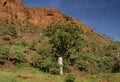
101, 15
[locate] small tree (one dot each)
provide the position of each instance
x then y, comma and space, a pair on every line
35, 59
17, 51
4, 52
65, 39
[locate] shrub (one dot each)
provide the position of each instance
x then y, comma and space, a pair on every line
95, 63
18, 52
12, 31
70, 78
23, 43
46, 64
4, 52
36, 59
54, 69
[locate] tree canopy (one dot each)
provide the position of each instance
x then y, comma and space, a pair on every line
65, 38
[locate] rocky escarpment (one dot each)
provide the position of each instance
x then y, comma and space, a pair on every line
13, 11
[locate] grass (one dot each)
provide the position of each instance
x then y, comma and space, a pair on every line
27, 74
23, 73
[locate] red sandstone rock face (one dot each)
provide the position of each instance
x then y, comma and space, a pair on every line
45, 16
14, 11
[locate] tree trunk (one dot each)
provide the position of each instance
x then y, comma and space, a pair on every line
60, 62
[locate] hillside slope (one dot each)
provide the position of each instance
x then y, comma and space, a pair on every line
14, 10
16, 13
22, 40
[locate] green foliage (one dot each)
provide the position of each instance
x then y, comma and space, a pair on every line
17, 51
54, 68
12, 31
46, 64
65, 39
70, 78
44, 49
9, 30
4, 52
90, 54
1, 57
23, 43
32, 45
14, 51
7, 38
113, 50
36, 59
95, 63
45, 56
33, 28
49, 66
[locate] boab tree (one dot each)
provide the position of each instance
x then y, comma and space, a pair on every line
65, 39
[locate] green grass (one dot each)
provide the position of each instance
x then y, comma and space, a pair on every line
23, 73
27, 74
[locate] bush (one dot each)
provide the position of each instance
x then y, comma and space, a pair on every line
70, 78
46, 64
12, 31
95, 63
18, 52
4, 52
36, 59
54, 69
